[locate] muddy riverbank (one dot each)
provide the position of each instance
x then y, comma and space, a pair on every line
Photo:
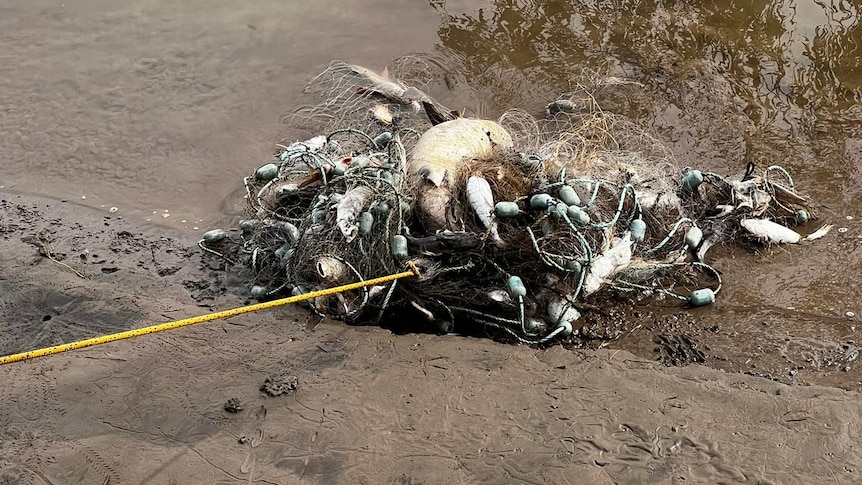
370, 406
158, 109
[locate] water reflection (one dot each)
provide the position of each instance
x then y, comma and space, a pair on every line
785, 76
726, 82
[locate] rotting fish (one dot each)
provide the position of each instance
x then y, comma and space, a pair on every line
610, 262
440, 151
773, 232
481, 199
348, 209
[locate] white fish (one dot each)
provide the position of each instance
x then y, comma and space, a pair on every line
773, 232
481, 199
439, 152
615, 259
500, 296
380, 83
348, 209
724, 210
560, 310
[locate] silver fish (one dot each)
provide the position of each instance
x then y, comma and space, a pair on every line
348, 209
773, 232
613, 260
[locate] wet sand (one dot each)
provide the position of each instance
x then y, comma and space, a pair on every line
155, 107
370, 406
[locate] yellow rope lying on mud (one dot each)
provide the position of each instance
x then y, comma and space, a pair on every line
203, 318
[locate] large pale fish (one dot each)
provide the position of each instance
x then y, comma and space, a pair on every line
773, 232
437, 155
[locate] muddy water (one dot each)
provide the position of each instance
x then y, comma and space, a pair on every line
772, 82
159, 108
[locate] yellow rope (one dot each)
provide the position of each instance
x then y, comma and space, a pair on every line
203, 318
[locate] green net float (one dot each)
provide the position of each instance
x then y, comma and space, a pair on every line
638, 229
266, 172
379, 209
540, 201
318, 215
382, 140
692, 180
558, 210
693, 237
248, 226
214, 236
366, 220
282, 250
259, 292
578, 215
574, 266
399, 247
516, 286
299, 291
291, 230
339, 170
569, 196
565, 329
802, 216
506, 210
701, 297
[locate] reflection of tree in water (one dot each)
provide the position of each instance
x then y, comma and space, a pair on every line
788, 60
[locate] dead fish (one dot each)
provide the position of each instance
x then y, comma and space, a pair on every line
481, 200
379, 83
618, 81
723, 210
561, 310
296, 149
614, 259
773, 232
382, 113
348, 209
439, 152
330, 270
500, 296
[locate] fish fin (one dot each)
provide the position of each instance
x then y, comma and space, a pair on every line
438, 114
824, 230
385, 73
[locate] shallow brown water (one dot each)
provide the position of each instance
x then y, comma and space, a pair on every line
158, 106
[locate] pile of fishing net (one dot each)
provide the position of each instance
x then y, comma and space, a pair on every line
515, 225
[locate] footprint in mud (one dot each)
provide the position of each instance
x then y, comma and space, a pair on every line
38, 316
678, 350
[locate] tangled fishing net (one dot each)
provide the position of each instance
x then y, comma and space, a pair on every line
515, 225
